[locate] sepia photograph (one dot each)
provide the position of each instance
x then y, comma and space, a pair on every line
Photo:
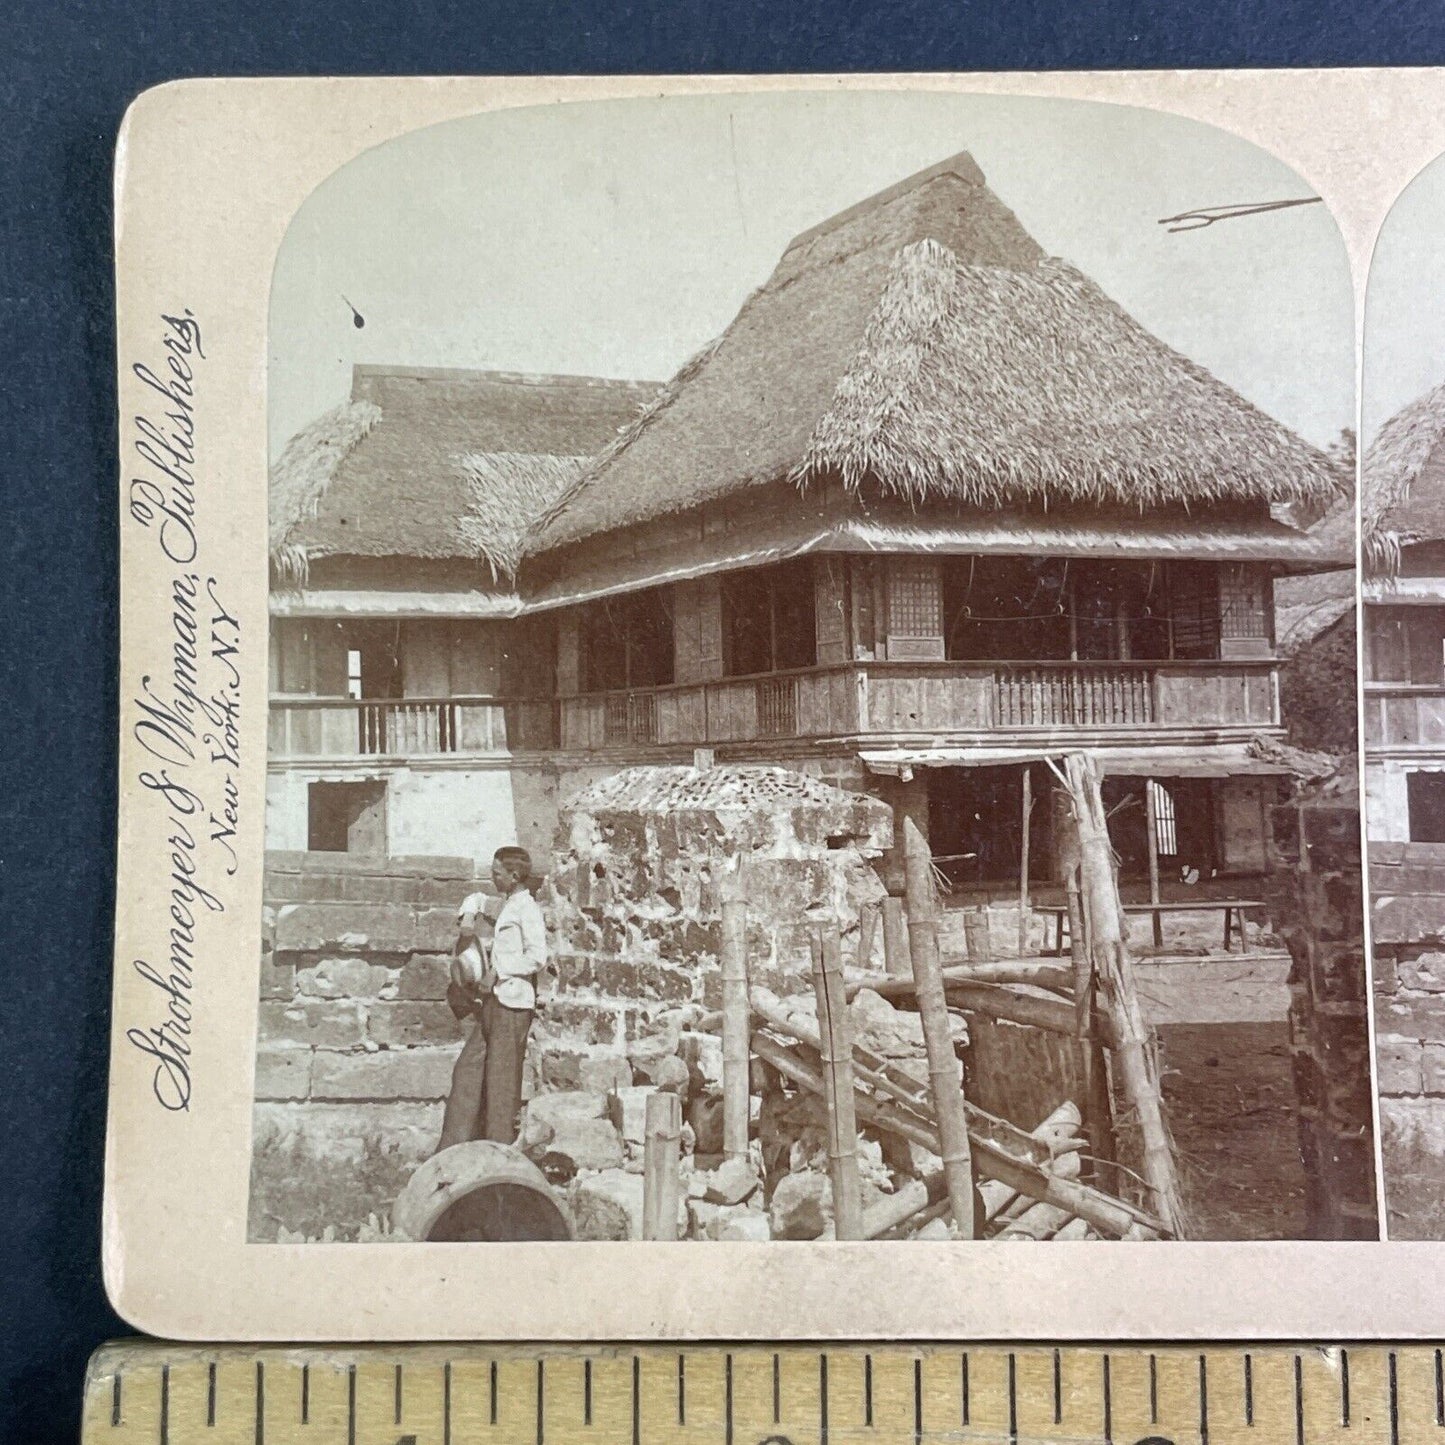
1402, 506
812, 684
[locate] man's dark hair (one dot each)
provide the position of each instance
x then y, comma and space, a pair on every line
517, 859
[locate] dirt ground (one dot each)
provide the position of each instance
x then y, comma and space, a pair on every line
1230, 1098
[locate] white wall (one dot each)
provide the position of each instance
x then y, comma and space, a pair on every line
1242, 803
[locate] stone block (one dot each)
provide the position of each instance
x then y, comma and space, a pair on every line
335, 1024
732, 1182
283, 1073
1432, 1069
703, 1052
607, 1205
584, 1021
579, 1144
1412, 1140
402, 1025
572, 1104
749, 1225
1386, 971
386, 1074
632, 978
424, 976
342, 978
802, 1206
627, 1109
1424, 973
1415, 1016
278, 980
353, 927
567, 1067
701, 1218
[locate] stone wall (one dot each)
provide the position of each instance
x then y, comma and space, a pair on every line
355, 1042
1319, 911
1407, 887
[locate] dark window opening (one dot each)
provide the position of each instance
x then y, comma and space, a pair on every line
627, 642
1407, 644
769, 619
1012, 609
1425, 794
346, 818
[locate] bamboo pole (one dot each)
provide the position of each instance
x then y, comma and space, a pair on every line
1028, 805
836, 1055
895, 938
945, 1077
1115, 973
736, 1026
1114, 1217
867, 931
1151, 831
1089, 1051
999, 1001
661, 1160
1043, 973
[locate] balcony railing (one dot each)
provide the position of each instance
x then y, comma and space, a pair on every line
880, 699
409, 727
864, 699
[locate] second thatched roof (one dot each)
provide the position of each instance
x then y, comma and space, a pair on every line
921, 346
1402, 484
438, 464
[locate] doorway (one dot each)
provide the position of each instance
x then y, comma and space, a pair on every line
346, 818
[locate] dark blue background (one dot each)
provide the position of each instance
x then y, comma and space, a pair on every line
67, 70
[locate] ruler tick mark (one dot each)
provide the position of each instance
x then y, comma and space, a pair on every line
447, 1403
1299, 1402
492, 1389
1394, 1402
1108, 1399
541, 1399
963, 1387
681, 1390
1058, 1391
636, 1400
1345, 1389
1248, 1390
918, 1402
1203, 1401
823, 1399
777, 1391
868, 1390
351, 1405
586, 1392
1153, 1390
211, 1393
1013, 1400
1439, 1387
728, 1395
396, 1396
165, 1405
115, 1399
260, 1402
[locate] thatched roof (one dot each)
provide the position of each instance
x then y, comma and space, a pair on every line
1306, 604
921, 346
1402, 487
439, 464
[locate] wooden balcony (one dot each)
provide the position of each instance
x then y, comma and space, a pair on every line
325, 727
936, 698
1404, 715
875, 699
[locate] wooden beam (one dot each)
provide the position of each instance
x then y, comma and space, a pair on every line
836, 1057
1028, 803
736, 1028
661, 1160
1151, 829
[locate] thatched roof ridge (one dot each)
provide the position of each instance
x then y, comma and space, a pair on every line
303, 472
1402, 485
920, 345
439, 464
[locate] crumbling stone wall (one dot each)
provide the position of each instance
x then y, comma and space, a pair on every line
644, 862
1407, 889
1319, 912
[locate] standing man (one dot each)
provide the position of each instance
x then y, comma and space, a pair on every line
519, 953
501, 947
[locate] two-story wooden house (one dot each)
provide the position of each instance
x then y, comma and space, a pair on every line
931, 509
410, 700
1403, 541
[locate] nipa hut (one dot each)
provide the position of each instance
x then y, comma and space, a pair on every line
1402, 506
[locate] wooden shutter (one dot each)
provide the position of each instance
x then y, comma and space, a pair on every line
830, 610
915, 610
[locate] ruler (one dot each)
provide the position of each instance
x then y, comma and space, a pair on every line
166, 1394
